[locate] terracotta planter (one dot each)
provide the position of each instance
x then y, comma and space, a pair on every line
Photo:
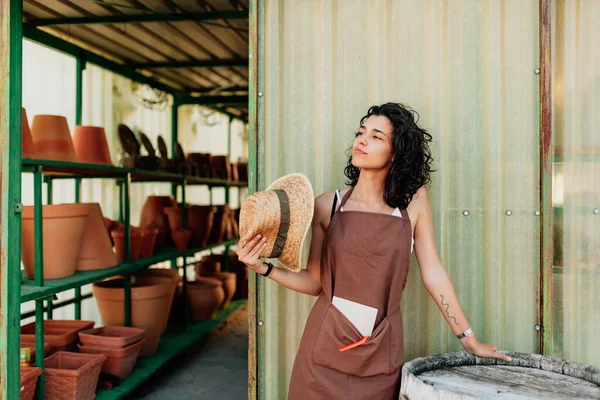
28, 151
119, 362
207, 267
60, 334
150, 298
149, 235
153, 213
29, 378
111, 337
219, 227
181, 237
91, 146
63, 228
229, 285
221, 167
52, 138
199, 221
72, 375
96, 248
135, 242
205, 296
173, 275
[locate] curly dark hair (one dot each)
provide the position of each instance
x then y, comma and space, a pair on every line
411, 167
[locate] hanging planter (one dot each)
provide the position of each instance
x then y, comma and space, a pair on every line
150, 299
205, 296
72, 375
119, 361
28, 149
52, 138
63, 228
96, 248
91, 146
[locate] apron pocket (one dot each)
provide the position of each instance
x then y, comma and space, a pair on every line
367, 359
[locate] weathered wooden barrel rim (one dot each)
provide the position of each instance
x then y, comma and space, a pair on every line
412, 369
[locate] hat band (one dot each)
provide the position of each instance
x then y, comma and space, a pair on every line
284, 223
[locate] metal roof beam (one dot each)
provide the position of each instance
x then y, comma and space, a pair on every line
153, 17
191, 64
212, 100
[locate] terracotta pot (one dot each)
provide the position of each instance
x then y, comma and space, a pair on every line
221, 167
181, 237
150, 298
72, 375
219, 225
29, 378
153, 213
229, 280
63, 228
199, 221
60, 334
173, 275
149, 235
52, 138
205, 296
96, 248
119, 362
207, 267
242, 172
112, 337
91, 146
28, 151
135, 242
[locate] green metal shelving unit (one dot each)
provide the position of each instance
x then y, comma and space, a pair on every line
16, 288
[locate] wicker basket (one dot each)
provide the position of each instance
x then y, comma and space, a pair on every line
72, 375
29, 378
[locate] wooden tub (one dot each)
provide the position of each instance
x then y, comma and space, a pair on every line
461, 376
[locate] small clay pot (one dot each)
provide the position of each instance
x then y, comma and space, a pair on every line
135, 243
153, 213
63, 231
96, 248
205, 296
60, 334
229, 280
149, 235
91, 146
220, 223
28, 150
52, 138
199, 220
119, 362
181, 238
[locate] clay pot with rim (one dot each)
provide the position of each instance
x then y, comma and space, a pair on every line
72, 375
153, 213
29, 377
205, 296
135, 243
52, 138
199, 221
28, 150
111, 337
63, 231
91, 146
173, 275
229, 280
219, 227
181, 237
60, 334
120, 361
150, 298
206, 267
149, 235
96, 248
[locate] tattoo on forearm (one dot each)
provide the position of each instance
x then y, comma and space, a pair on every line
447, 313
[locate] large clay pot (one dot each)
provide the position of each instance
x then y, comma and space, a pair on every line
205, 296
96, 248
199, 221
28, 149
150, 297
173, 275
153, 213
52, 138
91, 146
135, 243
229, 280
63, 227
219, 227
149, 235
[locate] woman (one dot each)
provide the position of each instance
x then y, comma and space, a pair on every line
362, 240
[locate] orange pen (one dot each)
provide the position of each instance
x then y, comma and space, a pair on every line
353, 345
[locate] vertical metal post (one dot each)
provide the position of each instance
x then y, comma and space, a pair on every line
77, 304
11, 40
81, 64
127, 277
185, 284
49, 200
38, 243
121, 202
174, 125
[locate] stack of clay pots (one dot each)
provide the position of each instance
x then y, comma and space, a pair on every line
199, 221
121, 346
153, 214
75, 238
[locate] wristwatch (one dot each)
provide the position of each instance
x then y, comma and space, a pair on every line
269, 269
464, 334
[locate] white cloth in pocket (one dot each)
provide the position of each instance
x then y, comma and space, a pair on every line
361, 316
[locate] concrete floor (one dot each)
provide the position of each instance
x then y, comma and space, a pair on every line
216, 368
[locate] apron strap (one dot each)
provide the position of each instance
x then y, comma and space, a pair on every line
346, 197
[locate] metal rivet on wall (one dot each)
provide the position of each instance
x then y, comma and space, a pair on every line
466, 213
538, 213
260, 94
508, 212
537, 71
596, 210
251, 55
537, 327
260, 323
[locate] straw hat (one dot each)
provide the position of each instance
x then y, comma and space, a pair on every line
283, 214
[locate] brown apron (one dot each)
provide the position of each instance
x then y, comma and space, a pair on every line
365, 259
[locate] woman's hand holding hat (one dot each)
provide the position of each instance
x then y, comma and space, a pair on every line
249, 251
